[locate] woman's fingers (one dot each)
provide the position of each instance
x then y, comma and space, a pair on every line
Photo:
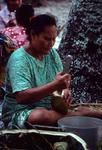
67, 96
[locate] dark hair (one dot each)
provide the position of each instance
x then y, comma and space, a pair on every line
23, 15
38, 24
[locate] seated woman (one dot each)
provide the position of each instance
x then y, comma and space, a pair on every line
32, 75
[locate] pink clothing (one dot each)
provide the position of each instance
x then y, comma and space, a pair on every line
17, 34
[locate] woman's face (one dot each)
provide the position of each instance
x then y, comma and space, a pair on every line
43, 42
13, 4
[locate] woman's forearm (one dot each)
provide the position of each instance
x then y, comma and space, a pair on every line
35, 94
97, 114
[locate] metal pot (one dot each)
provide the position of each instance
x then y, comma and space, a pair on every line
85, 127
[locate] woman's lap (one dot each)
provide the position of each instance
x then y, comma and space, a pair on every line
19, 118
45, 116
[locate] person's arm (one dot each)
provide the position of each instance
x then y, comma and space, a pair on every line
35, 94
97, 114
87, 111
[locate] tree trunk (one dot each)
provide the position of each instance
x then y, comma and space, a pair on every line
82, 39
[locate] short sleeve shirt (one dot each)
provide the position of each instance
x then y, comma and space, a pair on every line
24, 72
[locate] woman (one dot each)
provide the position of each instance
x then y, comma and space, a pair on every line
33, 74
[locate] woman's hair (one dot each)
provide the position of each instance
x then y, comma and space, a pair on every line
38, 24
23, 15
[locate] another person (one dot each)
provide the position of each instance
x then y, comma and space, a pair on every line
14, 37
7, 14
33, 74
18, 33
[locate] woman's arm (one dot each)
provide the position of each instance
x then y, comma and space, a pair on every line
37, 93
86, 111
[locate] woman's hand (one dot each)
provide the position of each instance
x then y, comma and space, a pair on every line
66, 93
63, 80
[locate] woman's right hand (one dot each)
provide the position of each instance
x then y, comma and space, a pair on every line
63, 80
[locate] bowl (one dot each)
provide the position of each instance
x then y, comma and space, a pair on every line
85, 127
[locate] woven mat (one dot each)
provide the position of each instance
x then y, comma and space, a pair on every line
93, 106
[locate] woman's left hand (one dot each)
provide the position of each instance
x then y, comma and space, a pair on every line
66, 93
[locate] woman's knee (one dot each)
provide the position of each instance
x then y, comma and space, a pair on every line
39, 116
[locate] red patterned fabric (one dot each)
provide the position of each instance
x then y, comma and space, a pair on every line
17, 34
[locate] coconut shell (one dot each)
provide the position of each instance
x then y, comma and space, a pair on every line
59, 104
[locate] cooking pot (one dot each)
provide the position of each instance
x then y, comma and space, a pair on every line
85, 127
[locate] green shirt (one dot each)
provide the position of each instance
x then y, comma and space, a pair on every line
24, 72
